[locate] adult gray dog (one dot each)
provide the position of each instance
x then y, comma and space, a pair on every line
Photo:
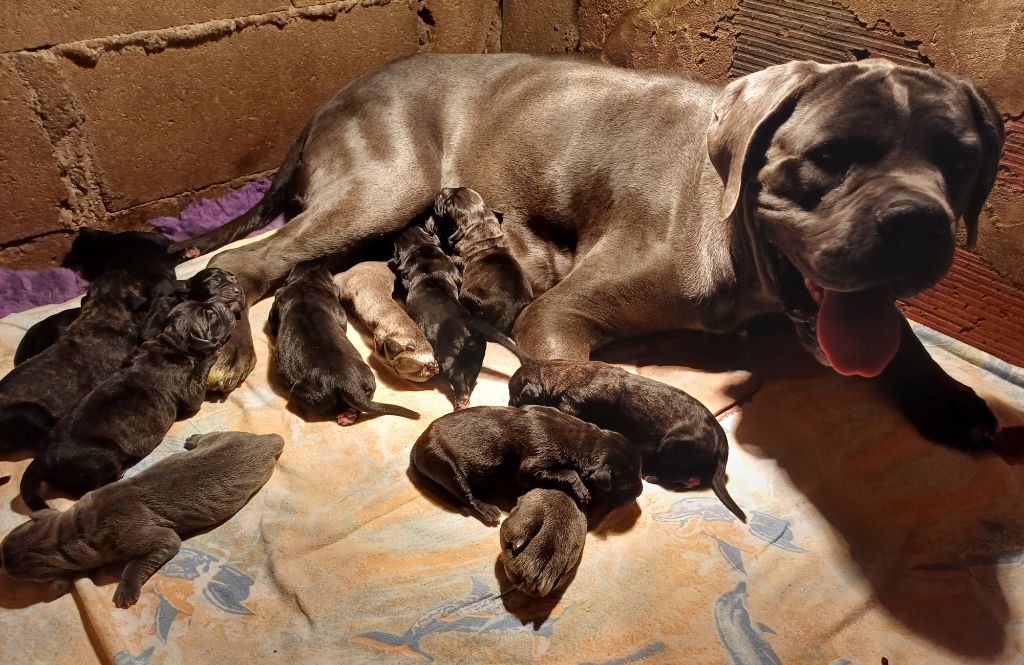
640, 201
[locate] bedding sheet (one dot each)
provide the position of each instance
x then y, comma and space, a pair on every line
863, 541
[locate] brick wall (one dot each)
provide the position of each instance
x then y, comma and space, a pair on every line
113, 112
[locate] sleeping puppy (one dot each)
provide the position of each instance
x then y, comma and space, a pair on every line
207, 285
321, 367
542, 541
472, 449
368, 289
681, 441
128, 414
431, 282
142, 519
494, 286
45, 388
144, 255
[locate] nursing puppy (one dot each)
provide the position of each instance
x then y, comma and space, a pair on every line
368, 289
494, 286
470, 450
45, 388
321, 367
127, 415
142, 519
431, 281
542, 541
143, 255
681, 441
207, 285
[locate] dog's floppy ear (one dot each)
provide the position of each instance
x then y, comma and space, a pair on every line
601, 477
744, 118
992, 133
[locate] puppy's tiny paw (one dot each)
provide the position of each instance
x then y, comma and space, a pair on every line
192, 252
462, 402
582, 494
192, 441
125, 597
490, 515
348, 417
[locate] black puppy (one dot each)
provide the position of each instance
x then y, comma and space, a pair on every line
207, 285
144, 255
127, 416
46, 387
494, 286
431, 282
471, 450
322, 368
681, 441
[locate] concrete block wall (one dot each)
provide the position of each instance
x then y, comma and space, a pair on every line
114, 112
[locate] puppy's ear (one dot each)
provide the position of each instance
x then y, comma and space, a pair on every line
989, 125
601, 477
745, 117
530, 394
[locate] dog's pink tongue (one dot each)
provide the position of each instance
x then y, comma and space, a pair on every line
859, 331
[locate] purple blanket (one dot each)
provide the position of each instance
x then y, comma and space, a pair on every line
25, 289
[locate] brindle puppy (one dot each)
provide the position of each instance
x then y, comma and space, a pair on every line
127, 416
468, 451
542, 541
431, 282
141, 254
142, 519
322, 368
494, 286
207, 285
368, 289
46, 387
681, 441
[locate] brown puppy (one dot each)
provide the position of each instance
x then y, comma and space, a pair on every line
142, 519
207, 285
468, 451
126, 416
368, 289
46, 387
494, 286
542, 541
681, 441
322, 368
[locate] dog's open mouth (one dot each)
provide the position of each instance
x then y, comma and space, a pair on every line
858, 332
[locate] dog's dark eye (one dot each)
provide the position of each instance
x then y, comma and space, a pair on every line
832, 157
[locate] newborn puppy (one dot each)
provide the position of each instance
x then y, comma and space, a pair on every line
494, 286
468, 451
368, 288
322, 368
207, 285
142, 519
128, 414
45, 388
431, 282
542, 541
141, 254
681, 441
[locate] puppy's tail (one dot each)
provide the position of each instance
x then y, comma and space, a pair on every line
276, 201
31, 486
718, 487
494, 335
381, 409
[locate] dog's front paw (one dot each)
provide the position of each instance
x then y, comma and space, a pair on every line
234, 362
126, 596
946, 411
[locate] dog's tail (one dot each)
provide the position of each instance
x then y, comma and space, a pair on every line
31, 486
276, 201
718, 487
494, 335
367, 405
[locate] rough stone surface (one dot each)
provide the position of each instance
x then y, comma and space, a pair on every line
185, 118
30, 186
461, 26
540, 27
44, 251
30, 24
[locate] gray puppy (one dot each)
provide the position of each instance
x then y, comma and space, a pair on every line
323, 370
542, 541
494, 286
127, 416
46, 387
681, 441
142, 519
472, 449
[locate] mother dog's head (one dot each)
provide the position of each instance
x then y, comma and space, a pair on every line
849, 180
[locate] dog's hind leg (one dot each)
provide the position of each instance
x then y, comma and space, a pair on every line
164, 544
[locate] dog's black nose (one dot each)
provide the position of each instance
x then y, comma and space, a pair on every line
916, 220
